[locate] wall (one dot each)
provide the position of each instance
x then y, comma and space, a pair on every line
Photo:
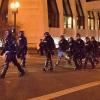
32, 17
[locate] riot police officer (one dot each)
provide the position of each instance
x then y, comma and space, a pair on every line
88, 53
22, 48
62, 49
78, 53
10, 54
49, 47
71, 48
94, 49
41, 47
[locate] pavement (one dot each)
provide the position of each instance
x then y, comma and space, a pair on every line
64, 83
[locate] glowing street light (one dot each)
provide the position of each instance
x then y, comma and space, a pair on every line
14, 6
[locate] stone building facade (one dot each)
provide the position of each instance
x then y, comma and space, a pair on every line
57, 17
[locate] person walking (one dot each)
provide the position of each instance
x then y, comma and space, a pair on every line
62, 49
41, 47
78, 53
22, 48
9, 51
49, 47
94, 49
88, 53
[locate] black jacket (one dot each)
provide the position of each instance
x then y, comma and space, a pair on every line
10, 45
88, 47
22, 46
80, 46
94, 46
49, 44
63, 45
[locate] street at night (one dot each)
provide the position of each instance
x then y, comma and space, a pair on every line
49, 49
64, 83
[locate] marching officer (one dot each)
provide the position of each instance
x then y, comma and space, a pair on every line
49, 47
41, 47
10, 54
78, 53
22, 48
95, 49
71, 48
62, 49
88, 53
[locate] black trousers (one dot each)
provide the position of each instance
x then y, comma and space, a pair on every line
89, 58
21, 53
41, 50
23, 59
48, 60
95, 57
77, 58
11, 58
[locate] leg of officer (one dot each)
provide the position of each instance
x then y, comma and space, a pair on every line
79, 61
4, 70
23, 60
60, 55
92, 63
95, 59
6, 64
15, 62
46, 61
76, 61
50, 60
86, 60
70, 55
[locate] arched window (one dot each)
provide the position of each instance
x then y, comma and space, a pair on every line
98, 14
91, 20
68, 17
53, 13
80, 15
4, 10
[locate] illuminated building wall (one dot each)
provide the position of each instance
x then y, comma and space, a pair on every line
58, 17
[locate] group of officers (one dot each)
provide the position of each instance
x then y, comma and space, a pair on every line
12, 50
76, 50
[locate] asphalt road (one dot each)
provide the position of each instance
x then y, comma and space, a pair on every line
37, 83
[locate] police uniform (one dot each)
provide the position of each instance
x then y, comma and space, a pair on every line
22, 49
78, 53
88, 54
71, 49
48, 48
94, 49
41, 47
10, 56
62, 49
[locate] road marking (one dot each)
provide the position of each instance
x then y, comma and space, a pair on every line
67, 91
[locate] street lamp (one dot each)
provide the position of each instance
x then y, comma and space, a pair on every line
14, 6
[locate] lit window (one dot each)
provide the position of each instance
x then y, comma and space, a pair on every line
53, 13
91, 20
80, 15
68, 22
68, 17
98, 20
4, 10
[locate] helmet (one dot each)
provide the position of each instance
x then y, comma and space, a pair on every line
46, 33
